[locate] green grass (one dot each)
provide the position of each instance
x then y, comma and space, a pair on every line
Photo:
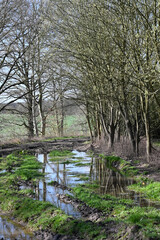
57, 155
83, 178
121, 210
12, 126
20, 166
151, 190
82, 164
43, 215
157, 144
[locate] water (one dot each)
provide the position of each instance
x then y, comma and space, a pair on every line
65, 174
10, 230
91, 169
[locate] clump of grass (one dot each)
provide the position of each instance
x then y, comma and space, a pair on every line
103, 203
57, 155
82, 164
83, 178
20, 166
157, 144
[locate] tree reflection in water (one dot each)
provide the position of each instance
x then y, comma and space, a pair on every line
109, 179
12, 231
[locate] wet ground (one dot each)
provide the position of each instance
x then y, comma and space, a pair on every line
66, 173
83, 168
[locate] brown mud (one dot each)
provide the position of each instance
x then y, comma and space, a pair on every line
43, 146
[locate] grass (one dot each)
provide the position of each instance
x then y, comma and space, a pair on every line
12, 126
43, 215
151, 190
83, 178
57, 155
82, 164
121, 210
62, 138
37, 214
157, 143
19, 167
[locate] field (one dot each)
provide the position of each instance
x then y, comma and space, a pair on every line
12, 127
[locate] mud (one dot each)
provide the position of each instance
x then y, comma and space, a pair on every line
87, 212
43, 146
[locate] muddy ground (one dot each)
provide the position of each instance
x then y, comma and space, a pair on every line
44, 146
152, 171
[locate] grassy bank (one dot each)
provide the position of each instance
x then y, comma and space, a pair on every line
122, 211
150, 189
44, 216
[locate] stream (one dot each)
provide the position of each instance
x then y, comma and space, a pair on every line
77, 169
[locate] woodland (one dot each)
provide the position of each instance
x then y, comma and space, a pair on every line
104, 55
92, 64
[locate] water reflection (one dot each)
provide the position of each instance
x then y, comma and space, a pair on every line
109, 179
45, 192
11, 231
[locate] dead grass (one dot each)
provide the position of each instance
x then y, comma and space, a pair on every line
124, 150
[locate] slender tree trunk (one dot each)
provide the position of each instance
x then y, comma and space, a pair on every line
145, 111
30, 121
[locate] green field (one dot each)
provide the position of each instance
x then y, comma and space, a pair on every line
11, 126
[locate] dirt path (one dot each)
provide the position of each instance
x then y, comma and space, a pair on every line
43, 146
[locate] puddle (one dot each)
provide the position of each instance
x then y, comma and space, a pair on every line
10, 230
90, 169
71, 174
65, 174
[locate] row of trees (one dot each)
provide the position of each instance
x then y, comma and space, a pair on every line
113, 50
29, 71
104, 54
